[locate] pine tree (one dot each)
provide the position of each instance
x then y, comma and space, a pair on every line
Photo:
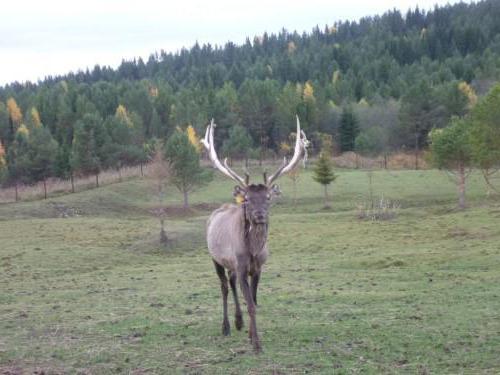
123, 147
323, 173
15, 155
349, 130
186, 172
38, 160
89, 145
159, 172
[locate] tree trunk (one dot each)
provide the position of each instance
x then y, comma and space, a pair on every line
186, 202
72, 182
416, 151
16, 192
142, 173
44, 189
461, 186
326, 195
97, 180
370, 186
163, 234
294, 193
119, 174
385, 161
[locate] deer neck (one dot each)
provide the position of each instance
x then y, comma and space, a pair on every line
255, 234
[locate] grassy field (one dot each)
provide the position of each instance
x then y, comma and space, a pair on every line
93, 293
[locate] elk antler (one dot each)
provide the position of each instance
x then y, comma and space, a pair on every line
208, 142
301, 144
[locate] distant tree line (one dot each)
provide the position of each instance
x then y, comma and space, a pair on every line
377, 85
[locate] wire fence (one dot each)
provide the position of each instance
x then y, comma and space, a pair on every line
57, 186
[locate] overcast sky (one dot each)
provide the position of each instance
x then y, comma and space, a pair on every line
39, 38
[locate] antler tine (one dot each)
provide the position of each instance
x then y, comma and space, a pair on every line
247, 176
234, 174
208, 142
301, 144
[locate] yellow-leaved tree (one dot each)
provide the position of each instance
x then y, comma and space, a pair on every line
469, 93
35, 118
23, 130
3, 162
122, 114
193, 138
15, 114
308, 92
2, 157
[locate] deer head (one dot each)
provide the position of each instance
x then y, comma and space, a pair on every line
256, 197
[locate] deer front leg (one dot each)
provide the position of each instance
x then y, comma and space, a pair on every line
245, 289
255, 285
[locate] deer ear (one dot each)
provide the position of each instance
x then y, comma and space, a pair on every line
238, 191
274, 191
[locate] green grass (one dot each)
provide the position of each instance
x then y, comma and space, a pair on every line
95, 293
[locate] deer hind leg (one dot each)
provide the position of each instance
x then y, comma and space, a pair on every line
226, 330
238, 317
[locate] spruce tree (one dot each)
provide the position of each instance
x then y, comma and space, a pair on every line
349, 130
39, 158
323, 173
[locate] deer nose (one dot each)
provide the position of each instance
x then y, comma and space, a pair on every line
260, 215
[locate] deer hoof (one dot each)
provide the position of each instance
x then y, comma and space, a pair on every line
226, 329
257, 348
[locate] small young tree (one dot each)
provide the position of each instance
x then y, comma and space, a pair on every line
159, 172
294, 176
62, 165
485, 134
323, 173
451, 150
184, 160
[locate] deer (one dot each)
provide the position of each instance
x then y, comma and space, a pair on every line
237, 233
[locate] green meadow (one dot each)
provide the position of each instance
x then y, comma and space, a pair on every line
86, 288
